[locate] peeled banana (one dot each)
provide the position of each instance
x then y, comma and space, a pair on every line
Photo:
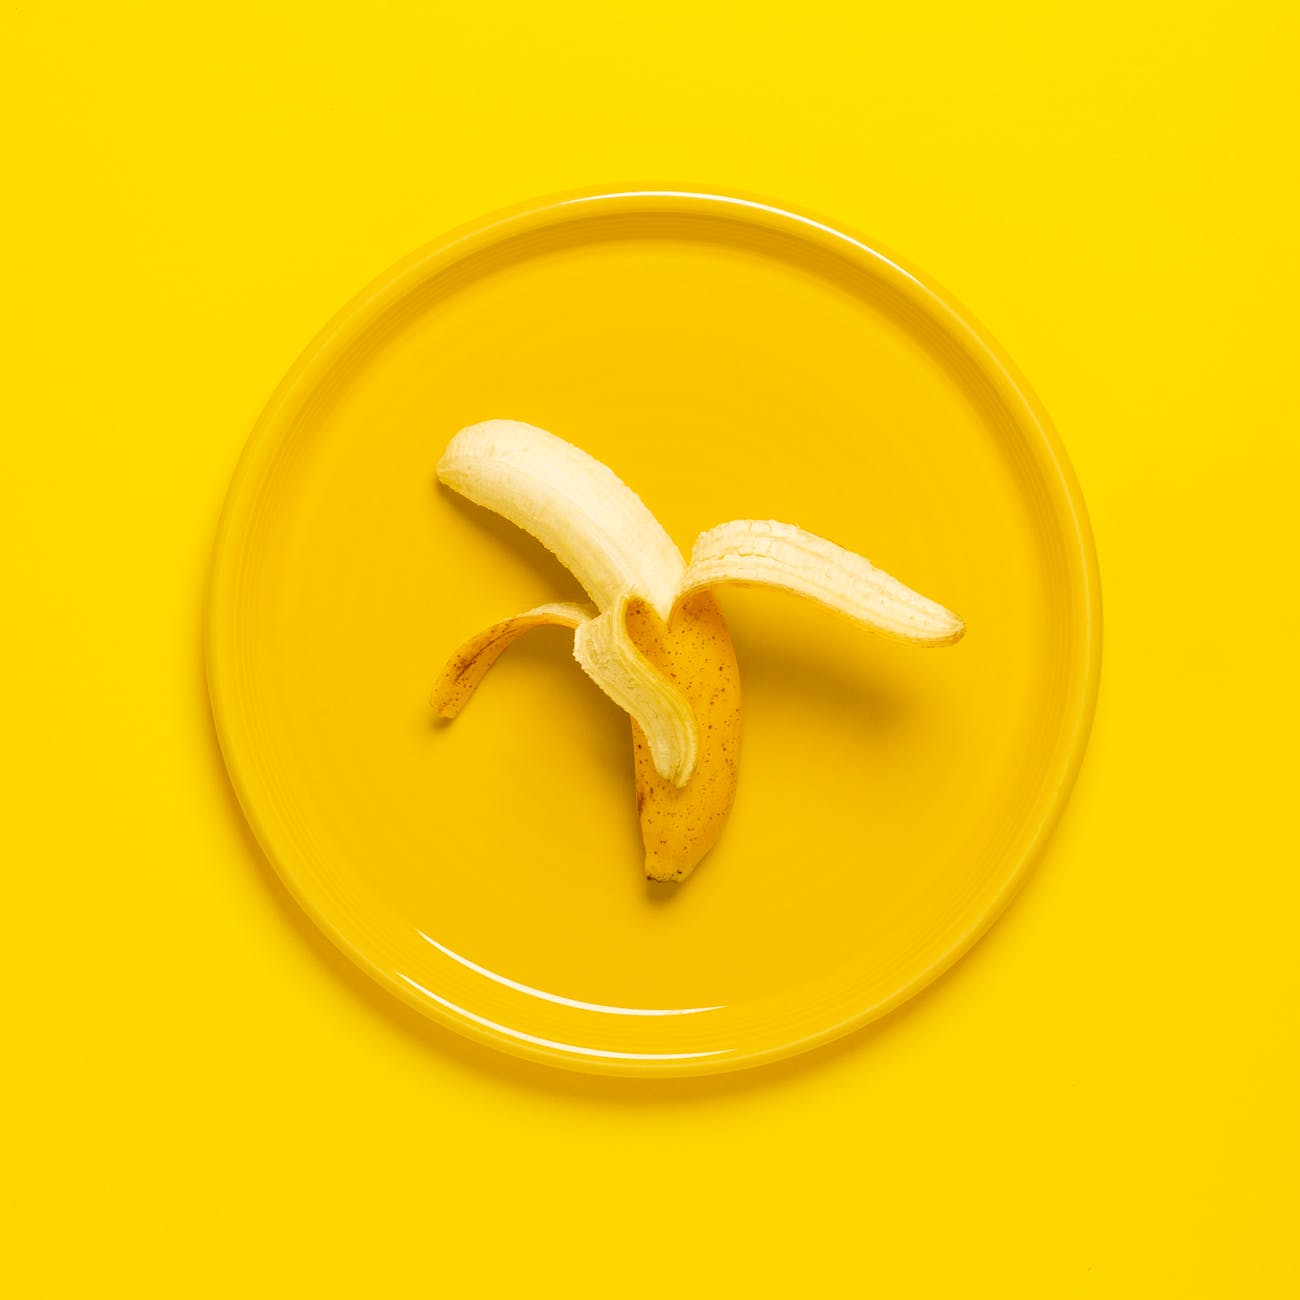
656, 642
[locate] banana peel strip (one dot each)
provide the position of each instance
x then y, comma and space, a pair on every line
609, 656
763, 552
469, 665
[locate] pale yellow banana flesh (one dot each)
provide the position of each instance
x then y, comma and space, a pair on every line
763, 552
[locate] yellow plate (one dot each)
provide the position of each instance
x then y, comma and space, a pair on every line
728, 359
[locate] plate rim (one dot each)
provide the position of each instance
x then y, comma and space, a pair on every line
370, 304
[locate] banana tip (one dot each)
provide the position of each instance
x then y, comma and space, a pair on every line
443, 707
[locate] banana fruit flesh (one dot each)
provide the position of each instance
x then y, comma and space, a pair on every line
656, 642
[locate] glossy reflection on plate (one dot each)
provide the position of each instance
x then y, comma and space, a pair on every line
728, 360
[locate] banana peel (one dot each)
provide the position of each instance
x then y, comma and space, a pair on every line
656, 641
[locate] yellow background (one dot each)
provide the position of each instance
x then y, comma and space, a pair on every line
1100, 1100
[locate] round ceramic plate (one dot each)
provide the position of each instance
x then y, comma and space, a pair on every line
728, 360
